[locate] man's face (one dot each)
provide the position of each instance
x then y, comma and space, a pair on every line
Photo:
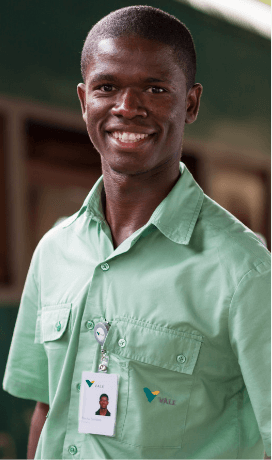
104, 402
135, 104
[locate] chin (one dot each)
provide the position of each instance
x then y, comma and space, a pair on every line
128, 168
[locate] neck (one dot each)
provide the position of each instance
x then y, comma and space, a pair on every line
131, 199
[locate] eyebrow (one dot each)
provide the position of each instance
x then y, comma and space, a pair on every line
112, 78
156, 80
103, 76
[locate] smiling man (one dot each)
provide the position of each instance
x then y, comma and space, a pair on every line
103, 409
181, 285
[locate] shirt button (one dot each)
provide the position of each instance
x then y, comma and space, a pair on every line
105, 266
122, 343
72, 450
78, 387
90, 325
58, 326
181, 359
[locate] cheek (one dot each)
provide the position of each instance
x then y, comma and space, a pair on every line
95, 117
171, 114
96, 111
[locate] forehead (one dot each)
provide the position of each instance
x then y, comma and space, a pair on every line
130, 43
134, 55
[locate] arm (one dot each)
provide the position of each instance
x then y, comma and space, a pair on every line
37, 422
249, 322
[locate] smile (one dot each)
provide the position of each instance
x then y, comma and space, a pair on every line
128, 138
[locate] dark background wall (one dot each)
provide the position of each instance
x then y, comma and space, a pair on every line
40, 56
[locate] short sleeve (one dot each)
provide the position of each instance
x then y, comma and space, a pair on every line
26, 374
249, 324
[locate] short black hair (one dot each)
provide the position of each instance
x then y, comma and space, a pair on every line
104, 394
150, 23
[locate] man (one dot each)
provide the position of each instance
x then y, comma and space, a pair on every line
103, 409
183, 285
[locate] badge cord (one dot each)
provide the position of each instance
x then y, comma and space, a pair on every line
100, 332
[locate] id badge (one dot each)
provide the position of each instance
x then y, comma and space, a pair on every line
98, 393
98, 403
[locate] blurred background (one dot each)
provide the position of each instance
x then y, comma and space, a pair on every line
48, 164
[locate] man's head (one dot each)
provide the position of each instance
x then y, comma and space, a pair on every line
146, 22
135, 99
104, 401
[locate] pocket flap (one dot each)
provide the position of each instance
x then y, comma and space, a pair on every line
54, 320
140, 341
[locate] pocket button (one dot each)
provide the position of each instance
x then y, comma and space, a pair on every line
58, 326
181, 359
90, 325
122, 343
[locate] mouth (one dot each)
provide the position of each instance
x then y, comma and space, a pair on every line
128, 139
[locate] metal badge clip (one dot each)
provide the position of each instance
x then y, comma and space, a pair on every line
100, 332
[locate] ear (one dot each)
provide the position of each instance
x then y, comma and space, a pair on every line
193, 102
81, 92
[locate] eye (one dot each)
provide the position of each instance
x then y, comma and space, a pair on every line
106, 88
156, 90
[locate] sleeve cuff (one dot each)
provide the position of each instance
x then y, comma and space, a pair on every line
25, 391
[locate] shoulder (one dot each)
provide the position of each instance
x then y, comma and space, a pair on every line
61, 232
238, 249
53, 243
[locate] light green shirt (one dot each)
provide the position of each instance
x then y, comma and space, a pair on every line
188, 294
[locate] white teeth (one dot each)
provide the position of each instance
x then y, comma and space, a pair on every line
128, 137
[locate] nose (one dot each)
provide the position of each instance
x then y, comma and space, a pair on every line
129, 105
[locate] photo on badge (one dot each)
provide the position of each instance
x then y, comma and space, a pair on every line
98, 403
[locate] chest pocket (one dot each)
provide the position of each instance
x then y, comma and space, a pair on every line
52, 327
160, 365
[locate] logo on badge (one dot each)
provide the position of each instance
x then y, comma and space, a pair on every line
150, 394
89, 383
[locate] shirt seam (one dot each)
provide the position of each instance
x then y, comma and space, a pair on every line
35, 282
197, 210
198, 338
238, 412
234, 238
169, 229
238, 285
160, 364
235, 291
187, 411
106, 300
9, 387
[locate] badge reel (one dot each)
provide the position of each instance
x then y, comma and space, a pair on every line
100, 332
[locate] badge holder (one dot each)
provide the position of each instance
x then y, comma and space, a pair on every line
98, 393
100, 332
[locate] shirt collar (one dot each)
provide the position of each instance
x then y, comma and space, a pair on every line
175, 216
92, 205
